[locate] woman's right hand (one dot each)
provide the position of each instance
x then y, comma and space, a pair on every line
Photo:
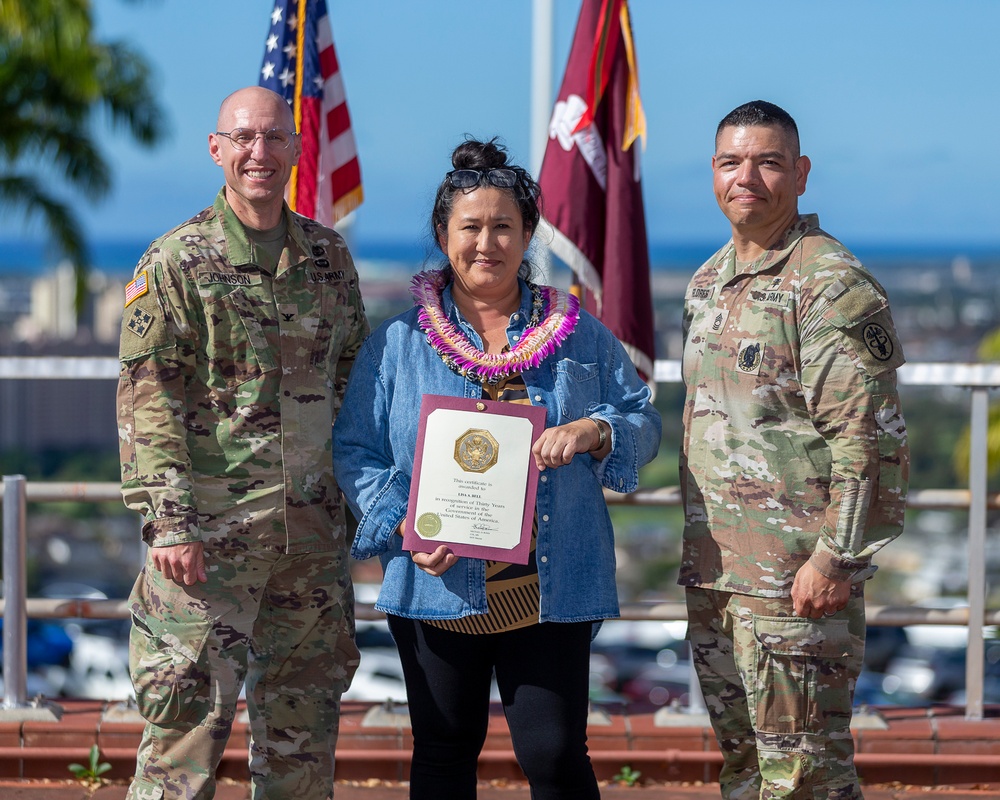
436, 563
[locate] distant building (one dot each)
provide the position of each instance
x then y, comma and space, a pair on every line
53, 414
38, 319
942, 309
51, 314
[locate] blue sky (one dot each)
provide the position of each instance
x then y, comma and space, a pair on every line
893, 99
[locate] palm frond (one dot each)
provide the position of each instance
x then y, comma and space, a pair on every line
56, 83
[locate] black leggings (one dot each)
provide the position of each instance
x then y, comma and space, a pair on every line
543, 674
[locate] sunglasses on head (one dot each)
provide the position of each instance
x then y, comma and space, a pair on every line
468, 178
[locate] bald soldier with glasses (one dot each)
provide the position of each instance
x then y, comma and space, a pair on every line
239, 330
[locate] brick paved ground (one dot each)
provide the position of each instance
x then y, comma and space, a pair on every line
935, 749
383, 790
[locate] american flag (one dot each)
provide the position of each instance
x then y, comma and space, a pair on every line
301, 65
136, 288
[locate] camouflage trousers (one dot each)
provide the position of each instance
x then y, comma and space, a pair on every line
779, 691
281, 625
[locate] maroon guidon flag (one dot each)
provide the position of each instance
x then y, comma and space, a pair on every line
590, 177
301, 65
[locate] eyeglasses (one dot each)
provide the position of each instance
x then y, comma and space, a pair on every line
245, 138
467, 178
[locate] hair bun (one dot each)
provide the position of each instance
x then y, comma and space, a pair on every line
472, 154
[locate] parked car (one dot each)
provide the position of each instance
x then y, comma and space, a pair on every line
47, 643
666, 680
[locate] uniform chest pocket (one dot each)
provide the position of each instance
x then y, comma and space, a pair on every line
312, 330
236, 348
577, 388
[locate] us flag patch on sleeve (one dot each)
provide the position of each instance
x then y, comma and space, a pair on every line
137, 288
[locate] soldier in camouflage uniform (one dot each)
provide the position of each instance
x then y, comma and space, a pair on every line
239, 330
794, 470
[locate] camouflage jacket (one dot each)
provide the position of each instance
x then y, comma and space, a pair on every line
230, 381
794, 442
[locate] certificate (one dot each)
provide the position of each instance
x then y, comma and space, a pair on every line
474, 478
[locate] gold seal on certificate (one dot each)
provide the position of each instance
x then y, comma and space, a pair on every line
429, 525
476, 450
474, 479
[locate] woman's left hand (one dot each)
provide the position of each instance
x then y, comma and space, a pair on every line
557, 446
436, 563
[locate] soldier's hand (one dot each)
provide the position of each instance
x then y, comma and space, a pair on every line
436, 563
181, 563
815, 595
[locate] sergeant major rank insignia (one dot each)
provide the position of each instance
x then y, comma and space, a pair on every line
718, 323
749, 357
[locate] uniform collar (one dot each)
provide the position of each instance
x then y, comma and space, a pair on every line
239, 248
775, 254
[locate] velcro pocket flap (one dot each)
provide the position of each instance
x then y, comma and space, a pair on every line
851, 305
797, 636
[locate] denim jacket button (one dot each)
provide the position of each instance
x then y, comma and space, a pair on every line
538, 398
544, 479
545, 517
545, 559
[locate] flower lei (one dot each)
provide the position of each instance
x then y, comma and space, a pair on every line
554, 315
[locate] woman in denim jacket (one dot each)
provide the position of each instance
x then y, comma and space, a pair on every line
482, 330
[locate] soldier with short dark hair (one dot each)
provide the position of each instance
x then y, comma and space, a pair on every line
239, 330
794, 470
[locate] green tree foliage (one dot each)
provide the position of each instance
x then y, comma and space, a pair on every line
56, 83
989, 350
935, 419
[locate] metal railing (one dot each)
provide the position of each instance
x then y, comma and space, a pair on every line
979, 379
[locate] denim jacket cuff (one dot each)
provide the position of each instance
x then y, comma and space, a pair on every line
619, 471
380, 521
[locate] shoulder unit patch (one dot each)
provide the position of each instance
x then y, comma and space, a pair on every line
878, 341
138, 323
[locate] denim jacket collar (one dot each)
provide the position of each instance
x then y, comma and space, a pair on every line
518, 325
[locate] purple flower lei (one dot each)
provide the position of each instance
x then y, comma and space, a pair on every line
561, 312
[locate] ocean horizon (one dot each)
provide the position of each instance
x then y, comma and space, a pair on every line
32, 257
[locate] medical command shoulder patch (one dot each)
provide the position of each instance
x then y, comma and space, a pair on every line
878, 341
136, 288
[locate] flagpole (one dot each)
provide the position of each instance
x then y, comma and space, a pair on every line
542, 15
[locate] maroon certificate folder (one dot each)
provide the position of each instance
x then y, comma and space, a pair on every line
474, 478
